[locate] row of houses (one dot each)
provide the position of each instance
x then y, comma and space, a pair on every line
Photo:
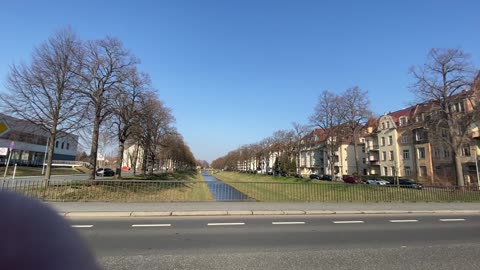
397, 143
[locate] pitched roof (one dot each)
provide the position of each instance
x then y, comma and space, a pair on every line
407, 112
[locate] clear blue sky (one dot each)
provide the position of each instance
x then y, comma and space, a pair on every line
233, 72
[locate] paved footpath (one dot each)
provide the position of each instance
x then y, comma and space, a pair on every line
86, 209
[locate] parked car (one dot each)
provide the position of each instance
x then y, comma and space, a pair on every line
284, 174
379, 182
326, 177
352, 180
315, 176
407, 183
105, 172
296, 175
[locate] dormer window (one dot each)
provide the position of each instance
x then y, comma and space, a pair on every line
403, 121
388, 124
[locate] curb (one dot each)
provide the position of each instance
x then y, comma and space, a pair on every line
256, 213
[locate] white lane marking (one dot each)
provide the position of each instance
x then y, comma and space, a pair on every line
452, 219
403, 220
225, 224
151, 225
349, 222
82, 226
288, 223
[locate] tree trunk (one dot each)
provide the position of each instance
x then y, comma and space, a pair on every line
94, 148
135, 159
121, 149
355, 146
144, 162
459, 170
51, 148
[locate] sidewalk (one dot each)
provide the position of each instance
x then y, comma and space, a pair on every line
76, 209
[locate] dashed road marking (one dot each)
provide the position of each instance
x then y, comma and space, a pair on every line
403, 220
349, 222
82, 226
151, 225
226, 224
288, 223
451, 219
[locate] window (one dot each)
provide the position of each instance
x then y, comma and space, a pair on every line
383, 125
466, 150
421, 153
364, 160
383, 141
444, 133
446, 153
394, 172
436, 152
423, 171
417, 119
390, 140
403, 121
405, 138
391, 155
388, 124
56, 144
63, 144
385, 171
406, 154
362, 140
363, 149
461, 107
68, 146
408, 171
384, 155
419, 135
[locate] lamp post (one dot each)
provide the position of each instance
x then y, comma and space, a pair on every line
476, 167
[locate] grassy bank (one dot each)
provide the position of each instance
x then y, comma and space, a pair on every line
269, 188
37, 171
153, 190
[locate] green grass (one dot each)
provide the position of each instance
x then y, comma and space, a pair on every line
37, 171
269, 188
123, 190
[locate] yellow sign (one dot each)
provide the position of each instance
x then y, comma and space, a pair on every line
3, 128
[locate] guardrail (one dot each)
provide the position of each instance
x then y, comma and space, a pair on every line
145, 190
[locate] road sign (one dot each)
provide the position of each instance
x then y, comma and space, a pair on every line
3, 151
100, 157
3, 127
12, 144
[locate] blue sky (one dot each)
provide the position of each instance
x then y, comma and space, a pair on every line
233, 72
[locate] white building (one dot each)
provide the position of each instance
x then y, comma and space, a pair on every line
30, 142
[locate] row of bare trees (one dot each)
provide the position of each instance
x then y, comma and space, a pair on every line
446, 79
72, 85
335, 115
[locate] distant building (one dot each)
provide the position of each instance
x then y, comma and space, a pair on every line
30, 143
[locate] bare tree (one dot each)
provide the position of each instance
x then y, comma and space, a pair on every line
356, 103
443, 82
155, 124
104, 64
43, 91
328, 116
300, 131
126, 110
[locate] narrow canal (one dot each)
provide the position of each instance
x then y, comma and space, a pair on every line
222, 191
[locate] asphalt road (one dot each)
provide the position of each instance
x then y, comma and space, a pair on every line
286, 242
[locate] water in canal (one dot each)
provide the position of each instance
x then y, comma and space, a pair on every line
222, 191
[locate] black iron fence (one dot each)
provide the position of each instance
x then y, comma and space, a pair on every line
145, 190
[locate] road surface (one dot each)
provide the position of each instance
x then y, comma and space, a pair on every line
286, 242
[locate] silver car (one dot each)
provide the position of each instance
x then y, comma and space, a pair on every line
379, 182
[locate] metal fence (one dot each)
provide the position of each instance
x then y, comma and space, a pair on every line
151, 191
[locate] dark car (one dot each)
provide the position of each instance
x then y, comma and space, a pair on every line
406, 183
315, 176
296, 175
351, 180
284, 174
105, 172
326, 177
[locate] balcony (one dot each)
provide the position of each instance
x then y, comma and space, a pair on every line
373, 147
